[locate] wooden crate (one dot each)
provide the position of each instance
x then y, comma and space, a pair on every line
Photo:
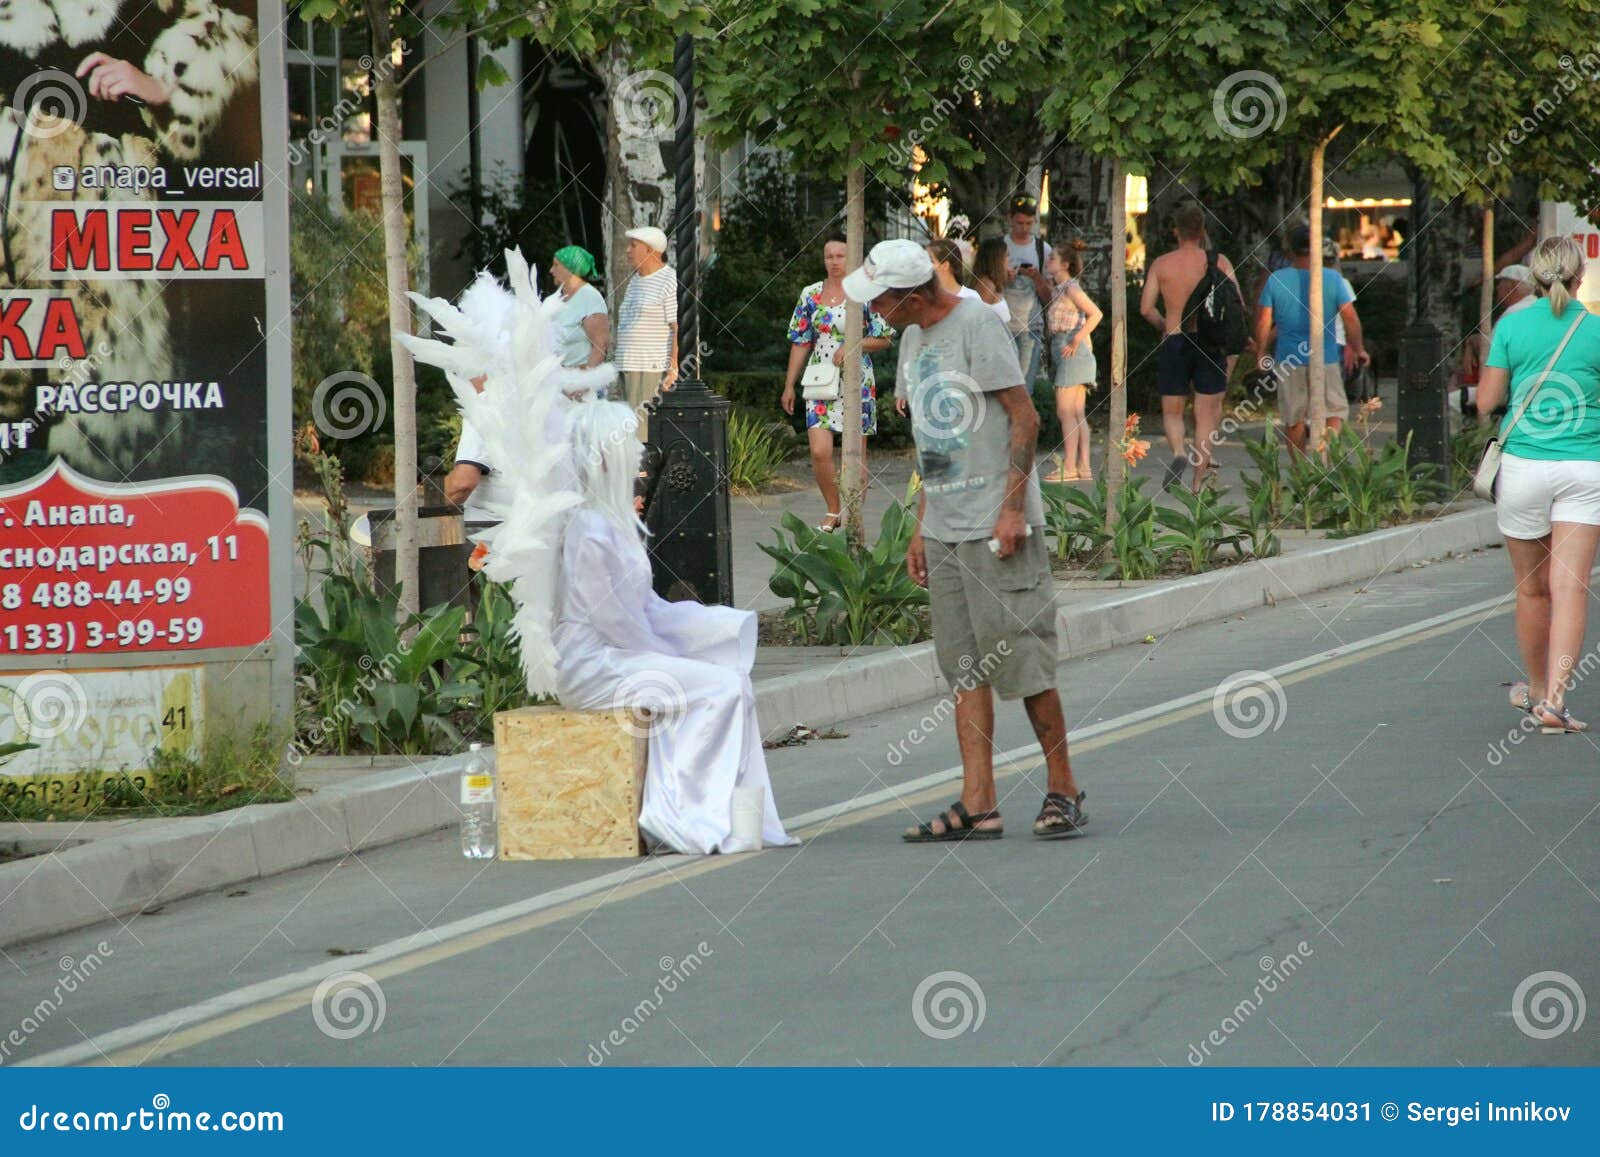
570, 783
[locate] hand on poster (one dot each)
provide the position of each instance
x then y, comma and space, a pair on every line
113, 79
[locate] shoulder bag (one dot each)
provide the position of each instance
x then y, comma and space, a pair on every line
1488, 471
820, 382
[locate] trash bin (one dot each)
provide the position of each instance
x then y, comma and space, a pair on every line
442, 553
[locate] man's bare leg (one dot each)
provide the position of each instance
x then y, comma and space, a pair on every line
1207, 419
1172, 423
975, 736
1050, 728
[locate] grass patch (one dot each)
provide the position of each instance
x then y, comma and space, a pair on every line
232, 772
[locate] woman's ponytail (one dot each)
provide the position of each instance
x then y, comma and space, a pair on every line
1556, 264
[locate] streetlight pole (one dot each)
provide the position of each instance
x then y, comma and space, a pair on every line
691, 533
1423, 405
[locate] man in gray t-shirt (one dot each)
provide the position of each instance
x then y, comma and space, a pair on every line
951, 375
979, 544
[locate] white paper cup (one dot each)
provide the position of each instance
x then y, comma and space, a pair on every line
749, 807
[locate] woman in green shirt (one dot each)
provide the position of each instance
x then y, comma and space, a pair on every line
1547, 499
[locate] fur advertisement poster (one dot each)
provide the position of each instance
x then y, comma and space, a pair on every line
134, 328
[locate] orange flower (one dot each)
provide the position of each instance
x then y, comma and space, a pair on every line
1131, 426
1134, 450
479, 554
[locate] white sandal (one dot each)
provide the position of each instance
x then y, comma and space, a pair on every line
838, 521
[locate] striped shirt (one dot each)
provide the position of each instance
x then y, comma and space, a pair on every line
649, 310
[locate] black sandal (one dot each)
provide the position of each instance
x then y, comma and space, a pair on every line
969, 829
1060, 818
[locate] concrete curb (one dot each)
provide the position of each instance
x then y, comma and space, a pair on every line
119, 875
881, 681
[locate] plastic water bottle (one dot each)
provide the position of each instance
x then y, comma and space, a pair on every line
477, 806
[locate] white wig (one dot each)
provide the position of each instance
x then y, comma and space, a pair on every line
605, 454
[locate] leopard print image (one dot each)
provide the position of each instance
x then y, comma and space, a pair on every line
195, 55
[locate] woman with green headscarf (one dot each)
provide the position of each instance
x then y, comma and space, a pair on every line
581, 328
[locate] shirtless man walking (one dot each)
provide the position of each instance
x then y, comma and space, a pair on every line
1182, 367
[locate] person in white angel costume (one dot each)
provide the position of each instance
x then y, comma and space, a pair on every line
570, 550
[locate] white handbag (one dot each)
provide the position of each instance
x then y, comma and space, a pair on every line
820, 382
1488, 472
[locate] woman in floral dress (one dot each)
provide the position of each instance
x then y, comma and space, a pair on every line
816, 336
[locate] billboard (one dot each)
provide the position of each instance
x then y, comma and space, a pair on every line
144, 409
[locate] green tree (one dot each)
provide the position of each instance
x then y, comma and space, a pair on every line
392, 25
848, 88
1525, 83
1235, 84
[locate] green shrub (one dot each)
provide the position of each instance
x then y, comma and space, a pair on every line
1466, 448
847, 595
1199, 527
1076, 518
1135, 550
490, 658
1266, 494
754, 453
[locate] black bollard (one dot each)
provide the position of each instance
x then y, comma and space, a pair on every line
691, 531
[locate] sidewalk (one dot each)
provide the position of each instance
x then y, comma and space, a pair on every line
754, 516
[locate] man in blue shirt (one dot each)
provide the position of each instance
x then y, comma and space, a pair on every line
1285, 304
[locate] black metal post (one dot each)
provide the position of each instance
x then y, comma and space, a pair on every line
691, 532
1423, 404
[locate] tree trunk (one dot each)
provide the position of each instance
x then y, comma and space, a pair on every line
395, 251
853, 483
1486, 288
638, 187
1114, 468
1080, 197
1315, 361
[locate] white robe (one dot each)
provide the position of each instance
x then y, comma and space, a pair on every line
621, 644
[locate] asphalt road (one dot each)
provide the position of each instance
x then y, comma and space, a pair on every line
1345, 863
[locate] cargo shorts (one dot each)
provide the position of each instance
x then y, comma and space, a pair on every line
994, 620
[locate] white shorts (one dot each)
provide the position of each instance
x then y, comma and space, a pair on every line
1531, 493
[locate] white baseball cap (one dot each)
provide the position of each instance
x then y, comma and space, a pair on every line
1515, 273
898, 264
651, 236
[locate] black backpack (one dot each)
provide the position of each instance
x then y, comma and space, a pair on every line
1216, 311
